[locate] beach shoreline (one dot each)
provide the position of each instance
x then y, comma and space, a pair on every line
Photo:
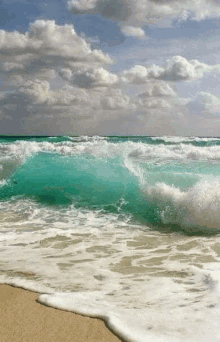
25, 319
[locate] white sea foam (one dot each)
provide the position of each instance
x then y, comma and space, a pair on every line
96, 263
161, 319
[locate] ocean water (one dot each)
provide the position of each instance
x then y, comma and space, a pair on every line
124, 228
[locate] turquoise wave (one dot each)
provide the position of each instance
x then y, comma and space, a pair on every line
86, 182
152, 192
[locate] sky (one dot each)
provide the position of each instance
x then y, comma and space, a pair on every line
107, 67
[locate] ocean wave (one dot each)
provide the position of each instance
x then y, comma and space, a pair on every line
98, 147
197, 206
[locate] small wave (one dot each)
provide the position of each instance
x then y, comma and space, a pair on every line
174, 139
86, 138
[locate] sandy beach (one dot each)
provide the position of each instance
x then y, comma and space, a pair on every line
23, 319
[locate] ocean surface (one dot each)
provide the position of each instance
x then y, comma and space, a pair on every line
125, 228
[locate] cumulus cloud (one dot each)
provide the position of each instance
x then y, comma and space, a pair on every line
180, 69
177, 69
158, 89
33, 94
156, 103
90, 77
133, 31
117, 100
9, 66
44, 49
56, 74
47, 38
137, 13
35, 107
158, 94
29, 61
70, 96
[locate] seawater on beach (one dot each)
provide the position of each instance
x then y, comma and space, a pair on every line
125, 228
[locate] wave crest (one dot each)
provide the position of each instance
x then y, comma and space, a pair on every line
198, 206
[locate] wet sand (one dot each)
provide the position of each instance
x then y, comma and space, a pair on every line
23, 319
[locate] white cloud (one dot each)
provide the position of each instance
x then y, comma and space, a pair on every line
158, 94
92, 77
157, 103
34, 93
50, 55
158, 89
136, 75
29, 61
117, 100
9, 66
47, 38
68, 96
133, 31
137, 13
46, 47
177, 69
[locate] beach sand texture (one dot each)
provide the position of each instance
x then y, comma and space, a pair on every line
23, 319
